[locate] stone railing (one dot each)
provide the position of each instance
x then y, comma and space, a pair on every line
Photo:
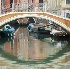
33, 7
24, 7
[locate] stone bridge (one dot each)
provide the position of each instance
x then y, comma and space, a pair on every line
61, 21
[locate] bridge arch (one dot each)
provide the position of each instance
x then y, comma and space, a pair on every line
5, 18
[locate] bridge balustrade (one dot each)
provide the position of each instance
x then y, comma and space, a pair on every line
24, 7
39, 9
29, 7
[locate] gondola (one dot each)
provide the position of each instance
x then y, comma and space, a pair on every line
41, 30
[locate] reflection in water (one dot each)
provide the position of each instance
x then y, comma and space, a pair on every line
34, 47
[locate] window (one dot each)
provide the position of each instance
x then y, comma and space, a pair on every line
67, 1
40, 3
11, 1
68, 15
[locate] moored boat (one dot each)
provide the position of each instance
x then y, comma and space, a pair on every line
8, 29
37, 27
55, 32
43, 31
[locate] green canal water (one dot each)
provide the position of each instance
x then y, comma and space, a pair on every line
34, 51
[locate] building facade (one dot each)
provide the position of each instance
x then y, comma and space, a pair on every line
59, 7
23, 5
54, 6
65, 8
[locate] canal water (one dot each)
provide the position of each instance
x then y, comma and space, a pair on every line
34, 51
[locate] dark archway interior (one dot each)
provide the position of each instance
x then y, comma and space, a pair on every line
31, 20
